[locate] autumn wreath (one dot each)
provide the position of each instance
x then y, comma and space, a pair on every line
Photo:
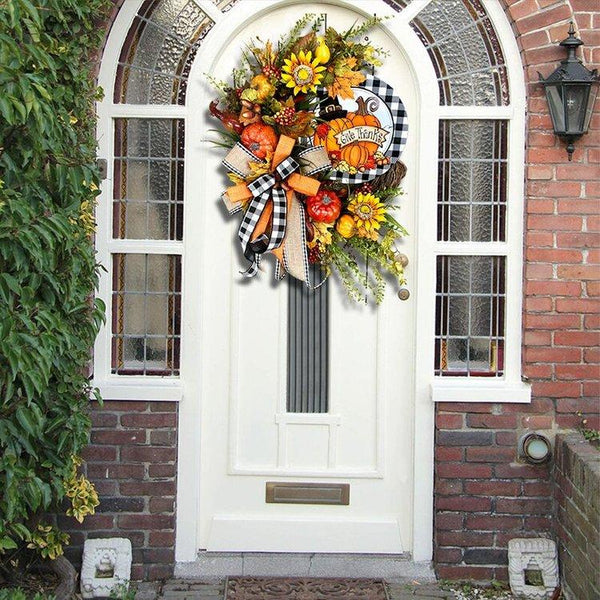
314, 141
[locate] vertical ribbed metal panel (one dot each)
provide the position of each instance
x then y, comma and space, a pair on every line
308, 358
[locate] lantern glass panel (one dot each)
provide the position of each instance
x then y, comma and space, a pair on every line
555, 102
575, 97
590, 107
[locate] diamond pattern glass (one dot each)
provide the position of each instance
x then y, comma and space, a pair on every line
470, 305
472, 181
148, 179
146, 309
465, 52
158, 52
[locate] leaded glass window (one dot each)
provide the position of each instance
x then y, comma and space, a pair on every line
148, 179
146, 309
470, 306
159, 51
465, 53
472, 180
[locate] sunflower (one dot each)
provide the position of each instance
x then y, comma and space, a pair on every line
368, 212
302, 73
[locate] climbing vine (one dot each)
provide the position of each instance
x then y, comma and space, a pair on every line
48, 271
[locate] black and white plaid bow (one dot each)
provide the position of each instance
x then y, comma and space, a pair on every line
264, 188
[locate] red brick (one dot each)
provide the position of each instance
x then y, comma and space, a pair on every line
551, 355
103, 419
556, 389
162, 505
577, 172
537, 488
505, 438
539, 524
593, 288
578, 272
523, 506
465, 503
151, 522
162, 470
449, 520
523, 8
593, 155
579, 305
538, 371
493, 522
148, 454
553, 189
99, 453
492, 421
579, 372
539, 239
163, 406
147, 488
537, 338
591, 321
538, 139
544, 155
491, 454
583, 206
554, 288
448, 487
554, 223
540, 206
576, 338
563, 321
119, 437
156, 572
537, 421
521, 471
449, 453
536, 406
448, 421
577, 240
464, 538
161, 538
114, 471
463, 470
536, 172
493, 488
591, 355
464, 407
448, 555
125, 405
149, 420
538, 304
582, 405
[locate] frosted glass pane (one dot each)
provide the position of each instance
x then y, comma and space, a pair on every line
155, 60
460, 222
481, 219
146, 318
148, 192
463, 46
470, 324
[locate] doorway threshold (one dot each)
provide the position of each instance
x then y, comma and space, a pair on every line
282, 564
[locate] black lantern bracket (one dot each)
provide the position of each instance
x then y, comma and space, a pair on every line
571, 92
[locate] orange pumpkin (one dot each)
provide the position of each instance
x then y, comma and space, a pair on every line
363, 117
329, 141
356, 155
260, 139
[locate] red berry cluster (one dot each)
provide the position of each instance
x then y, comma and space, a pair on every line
314, 256
285, 116
271, 72
365, 188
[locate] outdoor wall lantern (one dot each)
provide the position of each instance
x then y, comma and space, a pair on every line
571, 91
535, 448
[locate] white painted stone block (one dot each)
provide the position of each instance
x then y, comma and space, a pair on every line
528, 558
106, 564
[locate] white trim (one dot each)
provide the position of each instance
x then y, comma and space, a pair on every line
480, 391
123, 388
154, 111
145, 247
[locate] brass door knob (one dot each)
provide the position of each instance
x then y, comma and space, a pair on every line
402, 259
403, 293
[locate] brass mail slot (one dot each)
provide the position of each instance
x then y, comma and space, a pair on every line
308, 493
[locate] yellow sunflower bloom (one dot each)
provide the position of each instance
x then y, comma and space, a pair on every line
368, 212
302, 72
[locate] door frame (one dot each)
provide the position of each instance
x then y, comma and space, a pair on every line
421, 275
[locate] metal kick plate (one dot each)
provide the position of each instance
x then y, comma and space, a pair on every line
307, 493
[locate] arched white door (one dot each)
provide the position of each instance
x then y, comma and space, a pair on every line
249, 441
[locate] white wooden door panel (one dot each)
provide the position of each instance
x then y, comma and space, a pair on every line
247, 437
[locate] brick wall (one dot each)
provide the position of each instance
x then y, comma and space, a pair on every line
132, 462
577, 493
484, 496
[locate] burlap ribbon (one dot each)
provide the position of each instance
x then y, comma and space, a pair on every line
274, 219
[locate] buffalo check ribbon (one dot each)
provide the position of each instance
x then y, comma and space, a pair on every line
274, 217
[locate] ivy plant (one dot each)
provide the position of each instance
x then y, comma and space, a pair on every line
48, 270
